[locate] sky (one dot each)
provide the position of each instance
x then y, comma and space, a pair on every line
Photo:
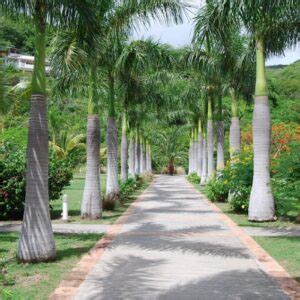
181, 35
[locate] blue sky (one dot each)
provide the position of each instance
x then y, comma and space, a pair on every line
180, 35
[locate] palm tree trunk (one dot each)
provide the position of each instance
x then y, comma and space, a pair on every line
91, 206
124, 149
204, 162
190, 156
144, 158
210, 142
112, 185
261, 205
235, 132
200, 147
220, 136
36, 239
91, 202
131, 156
138, 154
195, 149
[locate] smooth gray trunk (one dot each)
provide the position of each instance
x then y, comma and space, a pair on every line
91, 202
141, 159
131, 158
234, 136
36, 239
138, 158
112, 186
190, 159
124, 156
149, 159
204, 162
220, 145
261, 205
144, 161
210, 149
199, 157
195, 155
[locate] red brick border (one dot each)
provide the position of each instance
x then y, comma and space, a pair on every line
69, 285
286, 282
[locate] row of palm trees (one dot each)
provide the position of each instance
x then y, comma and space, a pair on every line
94, 30
222, 53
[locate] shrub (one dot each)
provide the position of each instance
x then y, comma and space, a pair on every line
12, 180
193, 178
285, 182
217, 190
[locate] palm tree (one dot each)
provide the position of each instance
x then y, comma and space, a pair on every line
36, 240
273, 25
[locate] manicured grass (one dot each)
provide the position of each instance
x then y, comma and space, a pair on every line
38, 281
286, 250
241, 219
75, 192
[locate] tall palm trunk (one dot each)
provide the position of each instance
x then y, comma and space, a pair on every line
235, 132
261, 205
144, 158
191, 154
36, 239
131, 163
195, 150
220, 137
149, 161
138, 154
112, 185
91, 207
204, 161
124, 149
200, 150
210, 142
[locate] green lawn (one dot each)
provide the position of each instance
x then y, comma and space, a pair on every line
38, 281
75, 192
286, 250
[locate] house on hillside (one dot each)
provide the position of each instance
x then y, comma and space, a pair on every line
21, 61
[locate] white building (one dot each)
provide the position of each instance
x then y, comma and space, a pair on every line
23, 62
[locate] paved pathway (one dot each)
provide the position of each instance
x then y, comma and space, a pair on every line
175, 246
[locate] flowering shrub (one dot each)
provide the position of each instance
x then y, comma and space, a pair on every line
12, 180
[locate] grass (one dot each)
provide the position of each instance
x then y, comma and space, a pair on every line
37, 281
75, 192
242, 219
285, 250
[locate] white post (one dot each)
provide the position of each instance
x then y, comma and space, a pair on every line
65, 208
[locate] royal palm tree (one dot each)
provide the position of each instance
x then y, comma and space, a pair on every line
36, 240
273, 25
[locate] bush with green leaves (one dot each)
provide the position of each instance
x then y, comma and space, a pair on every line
193, 178
12, 180
286, 182
217, 189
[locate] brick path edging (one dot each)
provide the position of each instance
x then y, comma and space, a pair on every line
69, 285
286, 282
